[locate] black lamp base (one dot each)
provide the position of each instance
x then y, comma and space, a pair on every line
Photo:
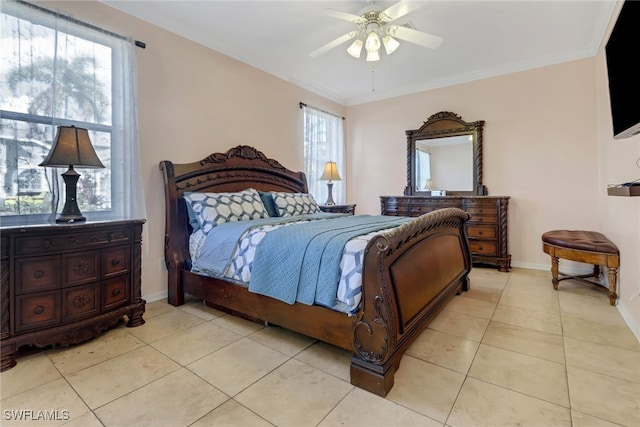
70, 212
330, 201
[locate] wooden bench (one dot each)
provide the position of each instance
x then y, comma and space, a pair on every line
589, 247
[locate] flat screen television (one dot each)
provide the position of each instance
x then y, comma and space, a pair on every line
624, 76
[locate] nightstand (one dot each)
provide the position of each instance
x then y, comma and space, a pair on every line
348, 209
66, 283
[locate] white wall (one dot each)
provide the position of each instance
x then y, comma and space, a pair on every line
619, 216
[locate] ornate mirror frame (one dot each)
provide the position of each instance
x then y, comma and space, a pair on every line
441, 125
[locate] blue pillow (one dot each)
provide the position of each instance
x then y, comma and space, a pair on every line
193, 218
269, 204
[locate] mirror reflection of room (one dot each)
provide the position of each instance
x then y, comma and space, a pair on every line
445, 163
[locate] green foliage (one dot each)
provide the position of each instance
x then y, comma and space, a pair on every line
25, 204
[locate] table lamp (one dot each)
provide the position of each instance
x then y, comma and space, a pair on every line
71, 147
331, 174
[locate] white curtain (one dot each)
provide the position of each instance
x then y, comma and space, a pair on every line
323, 142
125, 133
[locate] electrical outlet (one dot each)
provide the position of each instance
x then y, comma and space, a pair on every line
163, 266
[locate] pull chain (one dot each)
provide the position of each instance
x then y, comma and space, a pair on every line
373, 83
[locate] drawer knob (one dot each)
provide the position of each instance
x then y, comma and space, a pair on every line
116, 292
46, 243
480, 248
480, 233
111, 236
115, 262
38, 274
38, 309
479, 218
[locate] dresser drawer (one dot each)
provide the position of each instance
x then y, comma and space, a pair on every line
37, 274
80, 302
480, 202
80, 268
490, 218
419, 209
115, 261
70, 241
37, 310
482, 247
482, 231
395, 207
115, 292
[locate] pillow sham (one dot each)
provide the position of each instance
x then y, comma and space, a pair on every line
212, 209
290, 204
268, 203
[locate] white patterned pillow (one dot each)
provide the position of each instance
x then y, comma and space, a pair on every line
290, 204
212, 209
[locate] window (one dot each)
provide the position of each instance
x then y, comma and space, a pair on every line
323, 142
57, 71
423, 170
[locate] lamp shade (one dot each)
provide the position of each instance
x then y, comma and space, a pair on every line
72, 147
390, 44
356, 48
372, 46
330, 172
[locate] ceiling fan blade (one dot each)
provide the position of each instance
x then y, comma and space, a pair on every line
345, 16
413, 36
401, 9
337, 42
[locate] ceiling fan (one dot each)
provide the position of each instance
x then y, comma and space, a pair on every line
378, 28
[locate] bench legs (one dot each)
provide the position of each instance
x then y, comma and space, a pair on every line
612, 276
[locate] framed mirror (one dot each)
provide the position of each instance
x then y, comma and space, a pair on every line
444, 157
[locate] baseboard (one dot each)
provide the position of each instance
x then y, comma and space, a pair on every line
530, 266
155, 296
629, 320
569, 267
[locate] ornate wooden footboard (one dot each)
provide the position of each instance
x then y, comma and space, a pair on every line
409, 273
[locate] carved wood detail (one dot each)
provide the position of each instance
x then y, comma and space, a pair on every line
60, 319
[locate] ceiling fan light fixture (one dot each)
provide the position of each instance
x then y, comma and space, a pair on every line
390, 44
372, 45
373, 42
356, 48
373, 55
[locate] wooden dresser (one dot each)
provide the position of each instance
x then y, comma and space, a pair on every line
487, 229
62, 284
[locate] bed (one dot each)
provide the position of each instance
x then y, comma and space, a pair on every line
408, 272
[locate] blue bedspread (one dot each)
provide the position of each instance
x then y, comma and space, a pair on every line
223, 239
302, 262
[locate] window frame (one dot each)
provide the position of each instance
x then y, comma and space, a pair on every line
42, 17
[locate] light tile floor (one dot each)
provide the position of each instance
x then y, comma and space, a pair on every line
512, 351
